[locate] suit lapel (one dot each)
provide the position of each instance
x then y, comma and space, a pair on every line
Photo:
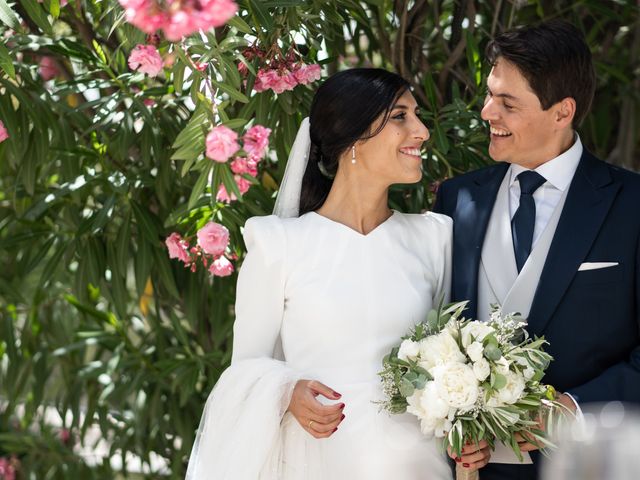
473, 209
590, 196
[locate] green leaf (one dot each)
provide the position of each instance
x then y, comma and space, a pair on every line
166, 274
498, 381
492, 352
145, 223
200, 185
8, 17
261, 15
6, 63
241, 25
232, 92
38, 15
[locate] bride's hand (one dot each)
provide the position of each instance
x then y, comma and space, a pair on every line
321, 421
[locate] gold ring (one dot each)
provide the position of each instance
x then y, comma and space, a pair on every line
310, 422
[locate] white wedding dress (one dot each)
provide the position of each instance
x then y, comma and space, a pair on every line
329, 302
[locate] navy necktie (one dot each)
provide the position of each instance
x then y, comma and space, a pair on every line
524, 221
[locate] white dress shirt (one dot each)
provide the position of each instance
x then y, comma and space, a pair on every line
558, 173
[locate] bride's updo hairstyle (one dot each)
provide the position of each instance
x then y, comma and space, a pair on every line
342, 112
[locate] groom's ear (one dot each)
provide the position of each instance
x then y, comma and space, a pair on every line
564, 111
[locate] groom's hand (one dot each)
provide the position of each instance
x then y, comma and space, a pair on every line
528, 444
474, 455
321, 421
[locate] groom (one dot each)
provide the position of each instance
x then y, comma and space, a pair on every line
550, 230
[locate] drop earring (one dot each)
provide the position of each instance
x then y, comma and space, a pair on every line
353, 154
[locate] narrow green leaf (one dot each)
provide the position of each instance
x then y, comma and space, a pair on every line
198, 188
38, 15
6, 63
7, 16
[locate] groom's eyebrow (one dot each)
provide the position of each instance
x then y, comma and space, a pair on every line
508, 96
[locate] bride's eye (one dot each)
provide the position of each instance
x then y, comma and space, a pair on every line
399, 116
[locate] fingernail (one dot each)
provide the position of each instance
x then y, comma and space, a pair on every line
465, 465
336, 394
342, 405
334, 430
458, 460
342, 417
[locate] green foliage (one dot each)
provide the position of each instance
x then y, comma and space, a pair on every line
103, 163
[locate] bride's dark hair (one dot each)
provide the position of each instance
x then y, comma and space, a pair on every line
342, 112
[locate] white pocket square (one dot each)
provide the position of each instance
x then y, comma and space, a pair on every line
596, 265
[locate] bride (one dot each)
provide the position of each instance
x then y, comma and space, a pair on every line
329, 285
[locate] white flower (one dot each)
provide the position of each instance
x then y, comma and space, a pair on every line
475, 351
408, 350
456, 384
438, 350
432, 410
481, 369
511, 392
475, 332
502, 366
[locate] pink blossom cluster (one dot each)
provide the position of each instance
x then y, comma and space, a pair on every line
3, 132
222, 144
282, 79
212, 242
146, 59
8, 467
178, 18
48, 68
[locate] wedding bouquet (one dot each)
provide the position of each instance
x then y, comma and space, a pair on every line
468, 381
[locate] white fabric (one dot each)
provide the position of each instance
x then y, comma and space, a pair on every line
596, 265
340, 301
558, 173
288, 199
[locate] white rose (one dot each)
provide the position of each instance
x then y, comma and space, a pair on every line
481, 369
475, 351
502, 366
512, 391
456, 384
438, 350
475, 332
408, 350
432, 410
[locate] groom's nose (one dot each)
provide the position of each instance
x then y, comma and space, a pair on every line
489, 111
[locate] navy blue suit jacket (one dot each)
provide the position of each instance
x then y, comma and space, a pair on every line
591, 318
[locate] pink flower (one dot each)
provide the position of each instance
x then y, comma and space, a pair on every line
48, 68
222, 143
7, 469
3, 132
144, 14
221, 267
192, 16
146, 59
213, 238
243, 185
177, 247
241, 165
256, 141
308, 73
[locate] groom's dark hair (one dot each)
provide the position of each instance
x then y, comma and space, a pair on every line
554, 58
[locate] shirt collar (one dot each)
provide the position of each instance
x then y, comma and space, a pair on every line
558, 171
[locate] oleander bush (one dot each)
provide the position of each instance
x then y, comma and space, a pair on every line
119, 131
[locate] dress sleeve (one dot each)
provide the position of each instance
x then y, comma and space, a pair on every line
260, 291
445, 237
